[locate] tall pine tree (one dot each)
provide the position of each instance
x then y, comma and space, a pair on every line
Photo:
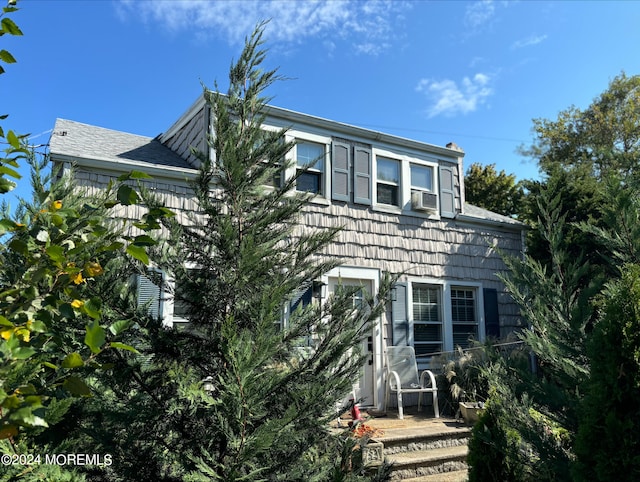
234, 395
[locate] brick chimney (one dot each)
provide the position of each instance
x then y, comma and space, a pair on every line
454, 146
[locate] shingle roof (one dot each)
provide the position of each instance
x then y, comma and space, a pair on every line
481, 214
82, 141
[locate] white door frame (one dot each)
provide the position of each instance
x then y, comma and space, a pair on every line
372, 275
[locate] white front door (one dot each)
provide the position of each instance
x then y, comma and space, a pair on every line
365, 385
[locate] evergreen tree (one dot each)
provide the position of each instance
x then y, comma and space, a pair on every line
234, 395
533, 418
609, 434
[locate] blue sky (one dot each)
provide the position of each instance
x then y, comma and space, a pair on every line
475, 73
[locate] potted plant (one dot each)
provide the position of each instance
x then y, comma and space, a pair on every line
466, 384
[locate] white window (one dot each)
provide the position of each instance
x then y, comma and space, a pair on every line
310, 156
464, 315
388, 181
421, 177
441, 316
427, 319
163, 297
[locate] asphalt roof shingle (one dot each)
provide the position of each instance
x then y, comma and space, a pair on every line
83, 141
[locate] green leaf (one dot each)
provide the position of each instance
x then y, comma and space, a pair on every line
161, 212
27, 390
38, 326
112, 247
26, 416
50, 365
56, 253
6, 185
72, 360
139, 253
118, 327
134, 175
127, 195
77, 386
19, 247
7, 225
144, 240
10, 172
122, 346
22, 352
93, 308
66, 310
13, 140
5, 322
10, 27
7, 57
95, 336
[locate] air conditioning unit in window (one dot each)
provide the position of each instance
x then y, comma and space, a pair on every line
424, 201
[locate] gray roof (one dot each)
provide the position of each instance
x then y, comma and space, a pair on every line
472, 212
73, 140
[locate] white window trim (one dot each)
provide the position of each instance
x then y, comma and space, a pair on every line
373, 275
168, 294
300, 136
405, 182
447, 318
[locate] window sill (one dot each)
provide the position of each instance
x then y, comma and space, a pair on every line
320, 200
386, 208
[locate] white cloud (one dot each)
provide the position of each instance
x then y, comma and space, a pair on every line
528, 42
448, 98
479, 13
367, 24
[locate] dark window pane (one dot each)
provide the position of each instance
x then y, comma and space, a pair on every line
462, 334
427, 349
309, 182
387, 194
424, 332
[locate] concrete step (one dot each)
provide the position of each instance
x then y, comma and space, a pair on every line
414, 439
434, 448
418, 463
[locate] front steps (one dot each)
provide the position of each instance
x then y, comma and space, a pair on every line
431, 452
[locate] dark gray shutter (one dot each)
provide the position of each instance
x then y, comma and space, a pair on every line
340, 172
150, 293
491, 315
399, 318
301, 298
447, 192
362, 175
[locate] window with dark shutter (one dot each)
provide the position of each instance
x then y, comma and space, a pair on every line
149, 291
340, 171
447, 192
362, 175
400, 321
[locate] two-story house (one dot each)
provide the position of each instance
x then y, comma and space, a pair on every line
401, 204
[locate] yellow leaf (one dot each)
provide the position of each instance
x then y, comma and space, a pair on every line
6, 334
8, 431
24, 334
93, 269
77, 278
77, 304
